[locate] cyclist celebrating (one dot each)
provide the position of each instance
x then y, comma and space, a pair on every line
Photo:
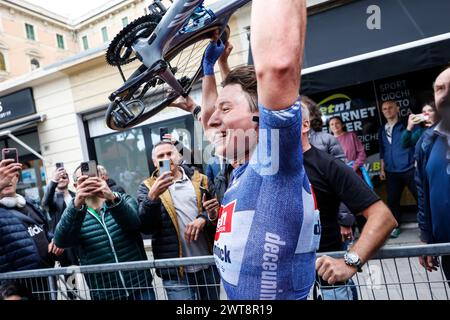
268, 229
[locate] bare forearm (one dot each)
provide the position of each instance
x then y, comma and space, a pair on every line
380, 223
278, 35
209, 95
224, 69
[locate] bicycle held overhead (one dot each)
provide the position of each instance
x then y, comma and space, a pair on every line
170, 44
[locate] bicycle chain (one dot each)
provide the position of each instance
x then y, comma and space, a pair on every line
140, 28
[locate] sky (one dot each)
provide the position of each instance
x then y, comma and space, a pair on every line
69, 8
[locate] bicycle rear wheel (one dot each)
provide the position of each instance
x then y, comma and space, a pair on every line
185, 63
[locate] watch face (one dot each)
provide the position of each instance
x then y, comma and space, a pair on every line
352, 258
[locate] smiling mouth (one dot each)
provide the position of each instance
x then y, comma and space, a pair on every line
219, 138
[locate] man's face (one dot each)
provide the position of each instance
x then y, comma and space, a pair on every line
234, 133
167, 152
63, 182
10, 190
390, 110
442, 97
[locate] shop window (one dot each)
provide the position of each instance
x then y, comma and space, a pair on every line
35, 64
124, 156
2, 62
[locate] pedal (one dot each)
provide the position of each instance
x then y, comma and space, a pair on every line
157, 8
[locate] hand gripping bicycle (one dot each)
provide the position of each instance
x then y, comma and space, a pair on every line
169, 43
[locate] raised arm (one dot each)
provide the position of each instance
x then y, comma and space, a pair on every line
279, 24
209, 84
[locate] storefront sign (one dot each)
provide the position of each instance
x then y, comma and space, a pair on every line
360, 106
17, 105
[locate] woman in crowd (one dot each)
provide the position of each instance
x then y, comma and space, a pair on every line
353, 148
421, 122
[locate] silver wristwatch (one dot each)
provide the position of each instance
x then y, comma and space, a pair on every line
352, 259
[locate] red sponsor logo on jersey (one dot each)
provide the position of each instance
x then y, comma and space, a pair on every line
225, 219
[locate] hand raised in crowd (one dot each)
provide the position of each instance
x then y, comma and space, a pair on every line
334, 270
346, 233
86, 186
103, 191
52, 248
193, 229
212, 207
8, 171
58, 174
160, 186
413, 120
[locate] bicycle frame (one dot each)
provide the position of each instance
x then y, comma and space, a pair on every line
172, 31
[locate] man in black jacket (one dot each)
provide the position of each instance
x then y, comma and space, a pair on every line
334, 182
170, 209
56, 198
25, 240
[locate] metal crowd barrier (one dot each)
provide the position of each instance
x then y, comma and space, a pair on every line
393, 274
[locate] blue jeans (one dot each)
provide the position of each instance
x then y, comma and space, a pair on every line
344, 292
201, 285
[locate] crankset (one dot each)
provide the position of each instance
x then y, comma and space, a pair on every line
120, 51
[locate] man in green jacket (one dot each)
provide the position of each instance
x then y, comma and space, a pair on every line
105, 227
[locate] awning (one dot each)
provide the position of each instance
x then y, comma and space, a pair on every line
23, 123
415, 56
343, 48
8, 130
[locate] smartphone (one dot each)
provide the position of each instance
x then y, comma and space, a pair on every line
10, 153
59, 165
89, 168
208, 195
163, 132
164, 166
422, 117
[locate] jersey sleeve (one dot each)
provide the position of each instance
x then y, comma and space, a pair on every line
279, 147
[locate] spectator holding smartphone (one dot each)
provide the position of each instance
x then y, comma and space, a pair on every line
421, 122
172, 211
25, 240
56, 198
105, 227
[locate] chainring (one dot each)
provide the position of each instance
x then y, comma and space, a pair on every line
120, 50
